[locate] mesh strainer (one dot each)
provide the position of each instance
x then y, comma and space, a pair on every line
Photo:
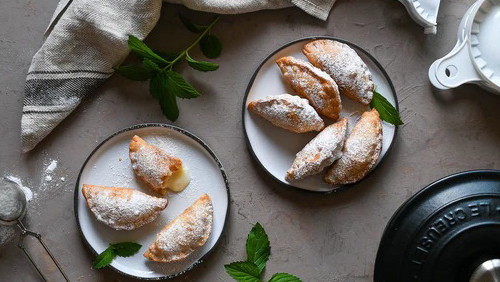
12, 210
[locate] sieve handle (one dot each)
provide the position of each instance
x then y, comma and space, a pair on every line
25, 232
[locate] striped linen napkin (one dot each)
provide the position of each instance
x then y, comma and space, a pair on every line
86, 38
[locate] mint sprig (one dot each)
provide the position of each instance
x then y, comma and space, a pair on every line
243, 271
258, 250
124, 249
258, 247
166, 84
386, 110
284, 277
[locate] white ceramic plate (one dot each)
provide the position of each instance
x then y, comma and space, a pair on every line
109, 165
275, 148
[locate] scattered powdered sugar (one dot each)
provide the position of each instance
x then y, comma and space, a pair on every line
51, 175
343, 64
186, 233
289, 112
51, 167
27, 191
320, 152
123, 208
165, 142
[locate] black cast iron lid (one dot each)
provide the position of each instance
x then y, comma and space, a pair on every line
444, 232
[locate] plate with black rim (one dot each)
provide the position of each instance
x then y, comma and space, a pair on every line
275, 148
109, 165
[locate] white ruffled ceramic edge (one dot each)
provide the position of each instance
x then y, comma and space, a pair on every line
469, 30
490, 74
424, 12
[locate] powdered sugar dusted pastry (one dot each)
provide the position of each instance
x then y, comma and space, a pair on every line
344, 65
361, 151
320, 152
313, 84
157, 168
289, 112
185, 234
122, 208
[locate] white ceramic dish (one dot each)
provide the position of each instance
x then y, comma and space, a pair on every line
275, 148
475, 57
424, 12
109, 165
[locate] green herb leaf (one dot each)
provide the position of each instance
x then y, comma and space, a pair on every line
386, 110
190, 25
168, 55
150, 65
156, 85
210, 46
200, 65
243, 271
138, 73
284, 277
126, 249
180, 87
159, 89
258, 247
142, 50
104, 259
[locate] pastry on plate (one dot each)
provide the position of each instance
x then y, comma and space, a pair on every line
161, 171
122, 208
289, 112
361, 151
344, 65
313, 84
320, 152
185, 234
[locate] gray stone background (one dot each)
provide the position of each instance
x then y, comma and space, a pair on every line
317, 237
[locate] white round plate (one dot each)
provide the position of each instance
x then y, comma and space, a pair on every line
275, 148
109, 165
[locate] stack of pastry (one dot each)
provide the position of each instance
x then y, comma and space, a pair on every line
128, 209
334, 69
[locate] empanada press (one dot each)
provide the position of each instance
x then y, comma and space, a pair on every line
424, 12
475, 58
12, 210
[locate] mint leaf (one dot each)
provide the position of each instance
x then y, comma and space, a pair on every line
386, 110
190, 25
126, 249
169, 55
138, 73
210, 46
284, 277
104, 259
243, 271
200, 65
150, 65
142, 50
155, 85
258, 246
180, 87
159, 89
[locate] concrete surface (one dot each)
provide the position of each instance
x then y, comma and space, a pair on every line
317, 237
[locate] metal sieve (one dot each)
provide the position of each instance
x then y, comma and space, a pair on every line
12, 210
